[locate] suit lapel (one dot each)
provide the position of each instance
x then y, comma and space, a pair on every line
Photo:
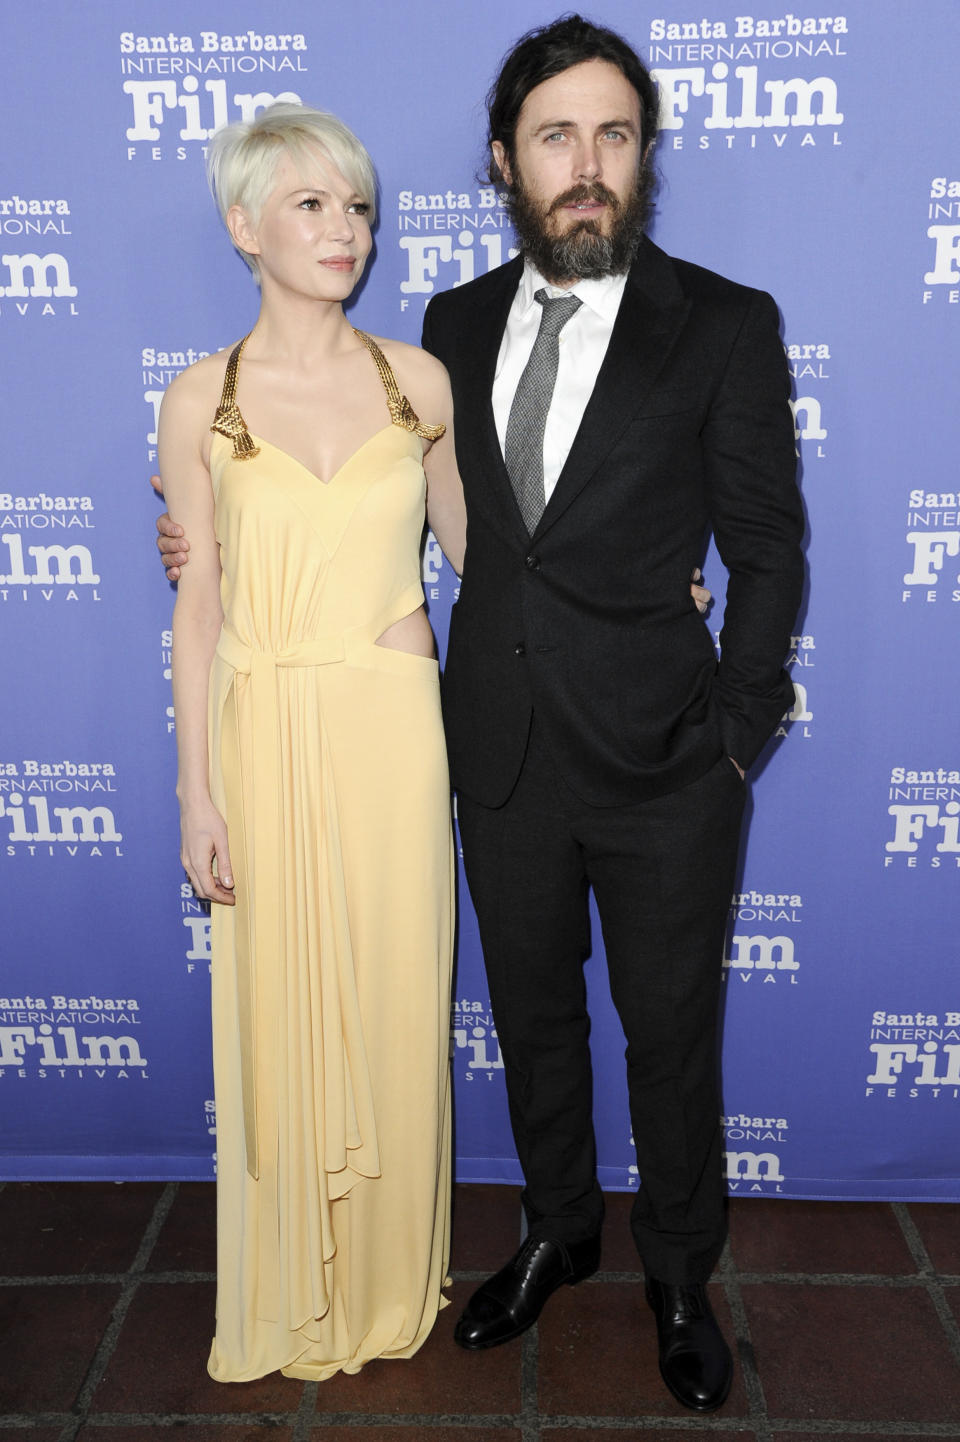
476, 427
652, 313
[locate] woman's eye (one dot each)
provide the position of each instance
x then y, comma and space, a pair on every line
359, 207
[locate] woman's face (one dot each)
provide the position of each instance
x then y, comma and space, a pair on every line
313, 236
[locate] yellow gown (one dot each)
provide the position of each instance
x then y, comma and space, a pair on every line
331, 975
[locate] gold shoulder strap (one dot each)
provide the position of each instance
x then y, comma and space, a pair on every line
228, 421
401, 411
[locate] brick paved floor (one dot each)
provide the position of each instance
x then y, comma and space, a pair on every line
846, 1318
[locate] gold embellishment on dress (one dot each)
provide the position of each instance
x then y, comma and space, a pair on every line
228, 421
401, 411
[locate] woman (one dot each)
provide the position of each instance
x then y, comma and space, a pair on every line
312, 777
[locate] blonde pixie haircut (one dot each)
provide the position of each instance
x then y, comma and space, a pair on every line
242, 158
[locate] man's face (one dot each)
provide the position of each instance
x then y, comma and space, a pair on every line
576, 183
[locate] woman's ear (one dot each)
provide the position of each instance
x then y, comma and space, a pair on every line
242, 230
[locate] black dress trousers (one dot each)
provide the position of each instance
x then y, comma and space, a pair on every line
662, 872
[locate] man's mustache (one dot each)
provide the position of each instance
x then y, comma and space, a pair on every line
595, 193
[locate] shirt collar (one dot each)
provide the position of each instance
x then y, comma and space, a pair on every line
603, 296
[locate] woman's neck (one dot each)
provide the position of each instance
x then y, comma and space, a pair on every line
299, 331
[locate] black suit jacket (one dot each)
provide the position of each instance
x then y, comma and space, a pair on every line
590, 619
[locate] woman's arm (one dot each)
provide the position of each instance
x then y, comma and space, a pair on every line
446, 511
197, 617
425, 381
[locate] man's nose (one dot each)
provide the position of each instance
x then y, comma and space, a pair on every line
587, 163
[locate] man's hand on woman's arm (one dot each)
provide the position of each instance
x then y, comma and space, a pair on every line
171, 542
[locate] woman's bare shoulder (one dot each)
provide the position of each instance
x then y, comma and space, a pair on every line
199, 386
419, 375
412, 360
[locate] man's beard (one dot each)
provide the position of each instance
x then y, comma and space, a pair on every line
583, 252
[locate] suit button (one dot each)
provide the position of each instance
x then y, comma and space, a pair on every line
519, 649
532, 563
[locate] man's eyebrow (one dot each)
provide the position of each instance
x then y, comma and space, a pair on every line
624, 124
548, 125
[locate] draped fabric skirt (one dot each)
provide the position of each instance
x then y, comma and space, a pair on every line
330, 1007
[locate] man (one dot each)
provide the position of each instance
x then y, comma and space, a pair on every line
592, 738
612, 406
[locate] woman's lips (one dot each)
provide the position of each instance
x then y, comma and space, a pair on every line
339, 262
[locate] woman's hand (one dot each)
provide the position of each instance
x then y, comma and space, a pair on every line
205, 853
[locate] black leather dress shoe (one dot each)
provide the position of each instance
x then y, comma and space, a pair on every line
511, 1301
695, 1361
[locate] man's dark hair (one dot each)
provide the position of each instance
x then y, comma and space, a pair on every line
548, 51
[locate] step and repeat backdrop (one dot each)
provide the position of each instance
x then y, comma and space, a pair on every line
811, 154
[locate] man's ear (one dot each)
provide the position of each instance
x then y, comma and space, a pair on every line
242, 231
501, 162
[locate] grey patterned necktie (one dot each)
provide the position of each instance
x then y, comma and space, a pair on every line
523, 446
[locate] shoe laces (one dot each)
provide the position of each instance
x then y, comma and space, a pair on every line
683, 1303
527, 1256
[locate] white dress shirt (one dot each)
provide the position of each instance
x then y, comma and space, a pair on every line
583, 345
